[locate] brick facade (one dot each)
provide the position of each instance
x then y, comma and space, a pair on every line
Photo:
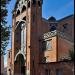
26, 58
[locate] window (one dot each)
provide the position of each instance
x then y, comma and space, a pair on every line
39, 3
58, 72
44, 45
17, 37
44, 59
9, 54
53, 26
33, 17
34, 2
9, 71
47, 72
29, 4
33, 63
18, 12
23, 9
24, 18
48, 45
64, 28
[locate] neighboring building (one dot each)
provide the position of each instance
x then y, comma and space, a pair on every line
2, 64
9, 65
39, 46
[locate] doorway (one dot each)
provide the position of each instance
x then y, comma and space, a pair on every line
19, 65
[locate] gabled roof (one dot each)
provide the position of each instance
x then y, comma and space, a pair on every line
66, 17
44, 19
52, 19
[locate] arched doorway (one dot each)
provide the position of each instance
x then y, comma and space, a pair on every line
19, 65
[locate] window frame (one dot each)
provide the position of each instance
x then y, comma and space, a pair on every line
47, 71
44, 45
58, 72
50, 41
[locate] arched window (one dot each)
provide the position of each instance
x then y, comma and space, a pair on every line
24, 18
39, 3
18, 12
24, 8
53, 26
28, 4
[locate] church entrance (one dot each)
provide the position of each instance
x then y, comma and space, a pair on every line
19, 65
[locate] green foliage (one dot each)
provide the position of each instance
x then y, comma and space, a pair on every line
5, 33
71, 54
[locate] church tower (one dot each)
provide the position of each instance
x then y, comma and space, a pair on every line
26, 19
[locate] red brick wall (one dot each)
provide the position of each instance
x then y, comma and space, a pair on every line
66, 68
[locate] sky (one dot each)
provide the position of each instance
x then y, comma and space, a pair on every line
56, 8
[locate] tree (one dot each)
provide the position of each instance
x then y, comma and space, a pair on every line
5, 33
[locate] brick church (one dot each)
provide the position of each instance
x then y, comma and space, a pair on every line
40, 46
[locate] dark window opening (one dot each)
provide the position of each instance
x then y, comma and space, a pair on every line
9, 54
18, 12
58, 72
64, 28
33, 63
53, 28
39, 3
44, 59
23, 9
43, 45
24, 18
47, 72
33, 17
28, 4
22, 2
34, 2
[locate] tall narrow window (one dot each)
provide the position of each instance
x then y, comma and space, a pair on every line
47, 72
18, 13
43, 45
28, 4
48, 45
9, 54
33, 63
39, 3
58, 72
34, 2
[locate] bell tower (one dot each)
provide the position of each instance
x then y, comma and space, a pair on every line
35, 19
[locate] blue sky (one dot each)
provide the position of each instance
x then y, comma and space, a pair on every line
56, 8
